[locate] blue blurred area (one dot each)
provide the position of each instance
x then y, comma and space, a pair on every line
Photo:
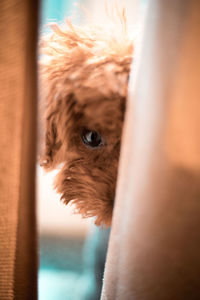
57, 284
61, 272
72, 268
55, 10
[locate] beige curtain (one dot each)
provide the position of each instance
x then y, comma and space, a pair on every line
18, 259
154, 249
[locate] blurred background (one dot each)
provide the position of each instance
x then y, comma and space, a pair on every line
69, 245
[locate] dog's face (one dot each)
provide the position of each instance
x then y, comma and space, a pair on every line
86, 101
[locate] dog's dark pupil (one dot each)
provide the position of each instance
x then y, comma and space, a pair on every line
91, 138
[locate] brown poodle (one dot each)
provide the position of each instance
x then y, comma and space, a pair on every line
84, 75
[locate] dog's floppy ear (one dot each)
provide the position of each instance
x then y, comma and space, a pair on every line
52, 141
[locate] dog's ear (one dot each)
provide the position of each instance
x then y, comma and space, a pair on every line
52, 141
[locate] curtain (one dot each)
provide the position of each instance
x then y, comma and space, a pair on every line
154, 248
18, 101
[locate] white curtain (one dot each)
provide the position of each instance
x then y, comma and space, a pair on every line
154, 249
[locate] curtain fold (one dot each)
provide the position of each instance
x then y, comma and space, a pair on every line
154, 245
18, 102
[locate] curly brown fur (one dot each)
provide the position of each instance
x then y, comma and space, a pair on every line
84, 75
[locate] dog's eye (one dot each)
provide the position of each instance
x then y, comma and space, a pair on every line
91, 138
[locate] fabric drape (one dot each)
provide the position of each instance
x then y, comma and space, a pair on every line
155, 243
18, 101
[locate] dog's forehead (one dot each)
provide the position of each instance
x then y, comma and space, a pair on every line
101, 114
100, 82
100, 96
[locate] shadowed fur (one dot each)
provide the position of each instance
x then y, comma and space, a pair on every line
84, 75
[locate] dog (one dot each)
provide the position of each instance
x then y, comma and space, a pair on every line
84, 75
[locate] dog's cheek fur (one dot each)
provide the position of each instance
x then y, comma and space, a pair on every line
91, 193
90, 188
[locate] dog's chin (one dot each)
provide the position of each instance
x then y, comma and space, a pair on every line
104, 218
102, 215
108, 222
87, 197
103, 222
